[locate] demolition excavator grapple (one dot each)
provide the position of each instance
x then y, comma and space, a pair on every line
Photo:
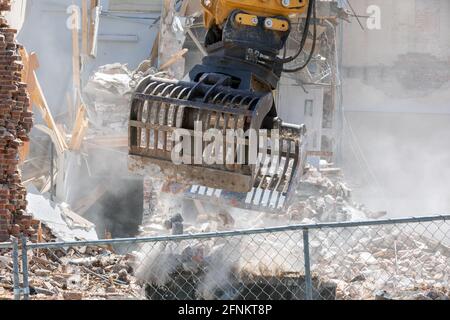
231, 89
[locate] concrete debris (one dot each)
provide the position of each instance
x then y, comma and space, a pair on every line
89, 273
319, 198
175, 224
107, 95
359, 262
364, 262
64, 224
326, 198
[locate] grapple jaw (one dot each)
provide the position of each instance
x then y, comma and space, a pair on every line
161, 109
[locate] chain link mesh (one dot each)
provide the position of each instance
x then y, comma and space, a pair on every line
399, 261
386, 261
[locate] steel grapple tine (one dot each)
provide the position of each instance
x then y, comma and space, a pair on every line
161, 106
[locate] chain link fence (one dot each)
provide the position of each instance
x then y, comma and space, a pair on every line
406, 258
9, 269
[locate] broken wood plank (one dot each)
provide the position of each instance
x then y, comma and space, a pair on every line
79, 129
84, 27
75, 51
93, 30
173, 59
38, 99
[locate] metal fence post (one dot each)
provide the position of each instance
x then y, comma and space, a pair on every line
308, 277
16, 269
26, 287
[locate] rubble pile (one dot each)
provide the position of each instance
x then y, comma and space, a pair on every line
107, 95
82, 273
364, 263
319, 198
15, 124
6, 272
326, 198
397, 262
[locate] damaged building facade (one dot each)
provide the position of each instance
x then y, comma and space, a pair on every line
15, 125
317, 92
72, 177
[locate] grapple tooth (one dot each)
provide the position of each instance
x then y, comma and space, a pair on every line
161, 106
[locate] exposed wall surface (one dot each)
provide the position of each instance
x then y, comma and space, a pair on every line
16, 16
296, 106
396, 89
407, 26
403, 66
123, 37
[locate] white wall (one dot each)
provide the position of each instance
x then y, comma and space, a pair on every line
291, 108
396, 90
406, 26
16, 16
45, 32
404, 66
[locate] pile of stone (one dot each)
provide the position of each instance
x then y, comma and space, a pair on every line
107, 95
83, 273
326, 198
383, 262
15, 124
389, 262
319, 198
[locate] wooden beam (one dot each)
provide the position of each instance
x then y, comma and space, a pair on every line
173, 59
93, 29
75, 51
38, 99
84, 27
79, 129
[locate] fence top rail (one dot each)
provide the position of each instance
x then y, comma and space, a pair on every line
6, 245
223, 234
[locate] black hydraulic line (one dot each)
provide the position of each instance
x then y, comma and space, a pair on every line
311, 6
313, 48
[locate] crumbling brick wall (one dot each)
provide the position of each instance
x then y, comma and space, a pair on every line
15, 124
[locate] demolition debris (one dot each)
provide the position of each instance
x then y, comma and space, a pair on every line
74, 274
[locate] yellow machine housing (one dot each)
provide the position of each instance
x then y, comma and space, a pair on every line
218, 11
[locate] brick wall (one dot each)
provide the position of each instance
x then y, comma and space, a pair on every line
15, 124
